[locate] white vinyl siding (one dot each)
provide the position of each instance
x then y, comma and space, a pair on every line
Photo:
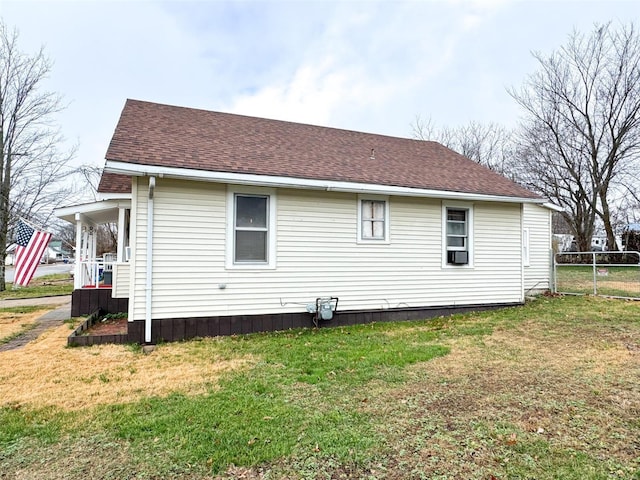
317, 255
121, 278
537, 221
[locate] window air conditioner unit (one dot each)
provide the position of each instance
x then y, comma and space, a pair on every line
458, 257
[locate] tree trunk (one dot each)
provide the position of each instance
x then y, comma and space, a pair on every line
4, 219
606, 220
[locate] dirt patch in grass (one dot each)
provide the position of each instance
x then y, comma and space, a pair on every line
108, 327
631, 289
47, 373
11, 323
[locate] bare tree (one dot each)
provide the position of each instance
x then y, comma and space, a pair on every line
89, 178
581, 136
31, 165
488, 144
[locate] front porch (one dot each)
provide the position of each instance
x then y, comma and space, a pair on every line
101, 280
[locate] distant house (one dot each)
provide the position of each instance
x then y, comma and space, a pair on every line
53, 253
57, 251
233, 224
630, 238
10, 256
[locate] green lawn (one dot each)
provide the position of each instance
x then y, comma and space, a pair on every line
622, 281
48, 285
546, 391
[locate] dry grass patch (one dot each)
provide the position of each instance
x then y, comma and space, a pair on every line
632, 288
570, 387
12, 323
47, 373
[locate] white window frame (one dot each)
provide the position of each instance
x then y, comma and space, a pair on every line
526, 247
230, 262
469, 209
374, 198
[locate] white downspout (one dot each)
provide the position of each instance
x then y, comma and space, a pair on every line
149, 284
522, 282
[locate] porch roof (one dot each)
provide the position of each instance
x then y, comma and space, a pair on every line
104, 211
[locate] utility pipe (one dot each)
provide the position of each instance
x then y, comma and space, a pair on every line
149, 283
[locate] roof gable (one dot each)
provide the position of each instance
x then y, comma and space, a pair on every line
167, 136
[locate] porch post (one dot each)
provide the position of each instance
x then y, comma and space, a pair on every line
77, 266
121, 231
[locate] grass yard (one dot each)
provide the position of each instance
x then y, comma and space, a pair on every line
15, 321
614, 281
547, 391
48, 285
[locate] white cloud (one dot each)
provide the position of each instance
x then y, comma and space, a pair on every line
364, 67
369, 66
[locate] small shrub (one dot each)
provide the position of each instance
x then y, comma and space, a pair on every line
113, 316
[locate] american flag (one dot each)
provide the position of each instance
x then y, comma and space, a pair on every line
31, 245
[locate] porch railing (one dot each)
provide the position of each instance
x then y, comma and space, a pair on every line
94, 274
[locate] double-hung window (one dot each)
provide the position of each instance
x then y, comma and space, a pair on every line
457, 235
251, 236
373, 220
251, 228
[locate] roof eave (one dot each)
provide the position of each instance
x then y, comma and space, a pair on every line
134, 169
94, 212
113, 196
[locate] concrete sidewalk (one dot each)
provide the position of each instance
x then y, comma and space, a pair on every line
49, 320
21, 302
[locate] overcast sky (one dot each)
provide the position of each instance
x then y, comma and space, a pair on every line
360, 65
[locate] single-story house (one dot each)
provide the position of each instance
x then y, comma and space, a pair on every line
53, 253
233, 224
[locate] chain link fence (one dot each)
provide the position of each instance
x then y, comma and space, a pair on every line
611, 274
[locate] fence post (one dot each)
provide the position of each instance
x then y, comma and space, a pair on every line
595, 278
553, 284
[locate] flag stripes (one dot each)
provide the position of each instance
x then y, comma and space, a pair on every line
31, 245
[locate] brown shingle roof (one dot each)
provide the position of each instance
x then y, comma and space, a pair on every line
114, 183
169, 136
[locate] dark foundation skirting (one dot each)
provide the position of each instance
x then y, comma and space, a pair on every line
85, 301
176, 329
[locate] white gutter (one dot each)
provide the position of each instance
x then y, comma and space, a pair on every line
125, 168
113, 196
149, 283
553, 206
